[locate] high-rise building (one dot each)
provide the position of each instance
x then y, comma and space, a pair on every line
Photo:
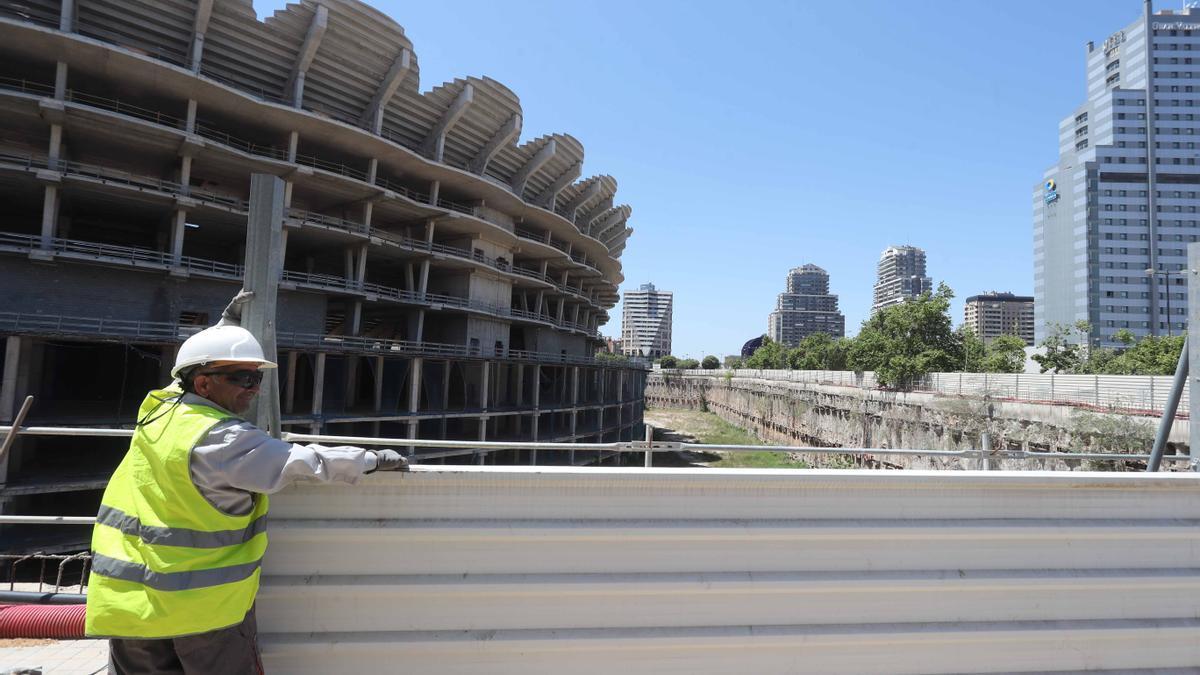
646, 322
990, 315
805, 308
1111, 220
901, 276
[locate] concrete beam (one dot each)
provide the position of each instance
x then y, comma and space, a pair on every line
602, 207
548, 196
619, 238
580, 199
536, 162
372, 117
503, 136
308, 51
610, 221
435, 143
199, 28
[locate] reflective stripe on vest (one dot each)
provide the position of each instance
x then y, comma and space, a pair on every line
177, 536
171, 581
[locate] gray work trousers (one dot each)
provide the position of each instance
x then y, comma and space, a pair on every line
229, 651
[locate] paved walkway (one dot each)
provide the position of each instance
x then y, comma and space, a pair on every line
54, 657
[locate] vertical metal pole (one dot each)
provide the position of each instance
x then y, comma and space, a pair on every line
264, 264
1168, 417
1151, 169
985, 448
649, 440
1193, 354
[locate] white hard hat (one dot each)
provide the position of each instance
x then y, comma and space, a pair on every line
220, 343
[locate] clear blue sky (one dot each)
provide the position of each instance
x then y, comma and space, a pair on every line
753, 137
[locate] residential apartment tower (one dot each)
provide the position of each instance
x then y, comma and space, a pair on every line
646, 322
901, 276
805, 308
990, 315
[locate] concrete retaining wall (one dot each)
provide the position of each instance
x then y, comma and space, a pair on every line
809, 413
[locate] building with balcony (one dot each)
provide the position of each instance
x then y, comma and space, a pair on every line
901, 276
990, 315
441, 277
646, 322
1113, 217
805, 308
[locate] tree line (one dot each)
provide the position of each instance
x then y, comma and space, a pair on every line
905, 342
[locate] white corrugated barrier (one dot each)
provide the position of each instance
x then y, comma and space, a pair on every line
609, 570
1124, 392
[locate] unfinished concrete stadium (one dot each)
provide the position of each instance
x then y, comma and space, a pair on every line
440, 280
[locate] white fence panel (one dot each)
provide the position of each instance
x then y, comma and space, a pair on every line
502, 570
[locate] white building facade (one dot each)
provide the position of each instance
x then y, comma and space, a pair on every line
646, 322
1112, 219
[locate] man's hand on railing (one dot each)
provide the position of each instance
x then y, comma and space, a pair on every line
389, 460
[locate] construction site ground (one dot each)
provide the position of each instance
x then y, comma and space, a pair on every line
692, 426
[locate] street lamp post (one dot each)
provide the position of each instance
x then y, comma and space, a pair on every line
1151, 272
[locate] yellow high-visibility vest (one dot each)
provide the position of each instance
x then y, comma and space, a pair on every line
166, 562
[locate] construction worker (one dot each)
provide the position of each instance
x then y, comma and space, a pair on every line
180, 535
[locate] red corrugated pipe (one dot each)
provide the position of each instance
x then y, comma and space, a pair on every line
55, 622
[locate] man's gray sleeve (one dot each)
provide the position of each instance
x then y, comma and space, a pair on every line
236, 459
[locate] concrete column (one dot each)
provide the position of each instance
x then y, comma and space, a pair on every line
575, 400
409, 279
360, 272
424, 286
54, 153
562, 303
378, 368
263, 265
318, 395
60, 80
484, 375
416, 368
520, 384
293, 149
66, 18
289, 389
185, 174
49, 215
434, 188
419, 334
178, 230
8, 386
540, 298
189, 124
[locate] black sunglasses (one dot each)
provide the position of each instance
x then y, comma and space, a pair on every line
245, 379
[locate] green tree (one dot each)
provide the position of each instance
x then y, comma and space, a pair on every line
688, 364
1152, 355
1005, 354
818, 351
904, 342
770, 356
1062, 354
710, 362
668, 361
974, 351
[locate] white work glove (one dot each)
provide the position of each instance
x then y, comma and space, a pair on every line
389, 460
232, 315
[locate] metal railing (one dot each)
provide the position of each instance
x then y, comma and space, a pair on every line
980, 458
124, 178
26, 86
249, 147
120, 254
126, 109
